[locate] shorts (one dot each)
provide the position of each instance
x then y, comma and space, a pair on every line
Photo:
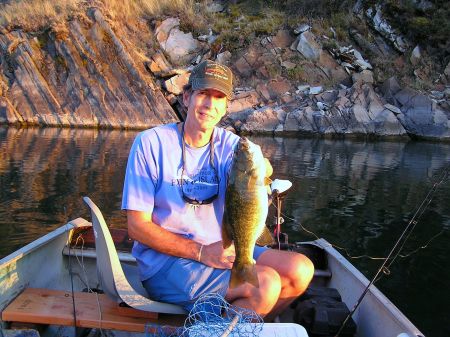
182, 281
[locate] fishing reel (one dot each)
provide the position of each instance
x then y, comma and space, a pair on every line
279, 190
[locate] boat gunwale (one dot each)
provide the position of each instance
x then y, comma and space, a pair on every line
377, 295
43, 240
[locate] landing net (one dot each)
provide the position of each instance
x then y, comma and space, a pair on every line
213, 316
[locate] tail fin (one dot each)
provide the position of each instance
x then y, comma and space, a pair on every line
243, 273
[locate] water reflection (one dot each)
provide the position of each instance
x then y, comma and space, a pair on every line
358, 195
45, 172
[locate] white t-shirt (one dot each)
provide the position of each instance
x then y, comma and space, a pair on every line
153, 184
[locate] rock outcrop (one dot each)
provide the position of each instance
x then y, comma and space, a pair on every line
90, 73
78, 74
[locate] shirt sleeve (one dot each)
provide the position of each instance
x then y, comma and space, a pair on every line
140, 177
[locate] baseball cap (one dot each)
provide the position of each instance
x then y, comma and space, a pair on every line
212, 75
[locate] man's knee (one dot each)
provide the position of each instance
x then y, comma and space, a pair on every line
301, 273
269, 289
269, 283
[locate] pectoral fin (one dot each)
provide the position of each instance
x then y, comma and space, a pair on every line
227, 234
265, 238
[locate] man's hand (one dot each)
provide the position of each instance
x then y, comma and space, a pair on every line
213, 255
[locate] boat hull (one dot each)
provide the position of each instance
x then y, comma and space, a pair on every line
45, 263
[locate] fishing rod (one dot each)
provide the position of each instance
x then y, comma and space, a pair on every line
405, 234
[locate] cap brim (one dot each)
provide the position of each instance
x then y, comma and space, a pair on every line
225, 88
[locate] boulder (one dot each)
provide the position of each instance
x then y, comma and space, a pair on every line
180, 47
366, 76
214, 7
415, 56
389, 89
278, 88
283, 39
421, 117
447, 71
243, 67
307, 46
266, 120
224, 58
242, 103
381, 25
176, 83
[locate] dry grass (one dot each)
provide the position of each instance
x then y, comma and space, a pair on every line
149, 8
37, 14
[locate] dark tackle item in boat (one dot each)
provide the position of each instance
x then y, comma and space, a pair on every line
314, 291
323, 315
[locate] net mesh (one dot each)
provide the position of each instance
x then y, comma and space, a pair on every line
211, 315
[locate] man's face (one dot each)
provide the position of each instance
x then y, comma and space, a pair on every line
205, 107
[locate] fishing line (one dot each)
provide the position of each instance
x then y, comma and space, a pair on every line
444, 175
70, 273
331, 244
398, 245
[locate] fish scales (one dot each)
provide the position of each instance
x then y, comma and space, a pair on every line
246, 204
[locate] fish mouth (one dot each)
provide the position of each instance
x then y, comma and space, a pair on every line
244, 143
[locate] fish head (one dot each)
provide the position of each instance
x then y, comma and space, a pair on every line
249, 159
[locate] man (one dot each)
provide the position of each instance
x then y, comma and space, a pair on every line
174, 195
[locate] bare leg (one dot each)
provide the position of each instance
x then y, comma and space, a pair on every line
262, 299
295, 271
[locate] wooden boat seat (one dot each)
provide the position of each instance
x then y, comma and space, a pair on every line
55, 307
111, 275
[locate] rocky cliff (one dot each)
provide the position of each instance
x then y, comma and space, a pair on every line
78, 73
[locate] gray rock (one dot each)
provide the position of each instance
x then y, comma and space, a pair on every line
242, 103
243, 67
308, 47
283, 39
224, 58
302, 28
315, 90
264, 120
303, 88
180, 47
421, 117
366, 76
423, 4
214, 7
415, 56
389, 89
176, 83
381, 25
288, 65
393, 108
447, 71
447, 93
437, 94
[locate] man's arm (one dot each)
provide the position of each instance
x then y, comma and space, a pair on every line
141, 228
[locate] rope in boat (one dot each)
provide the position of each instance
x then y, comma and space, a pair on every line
71, 275
86, 281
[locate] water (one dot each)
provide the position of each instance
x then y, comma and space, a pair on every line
358, 195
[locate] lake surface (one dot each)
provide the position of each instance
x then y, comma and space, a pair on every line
358, 195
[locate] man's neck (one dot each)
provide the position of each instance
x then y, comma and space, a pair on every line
196, 137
